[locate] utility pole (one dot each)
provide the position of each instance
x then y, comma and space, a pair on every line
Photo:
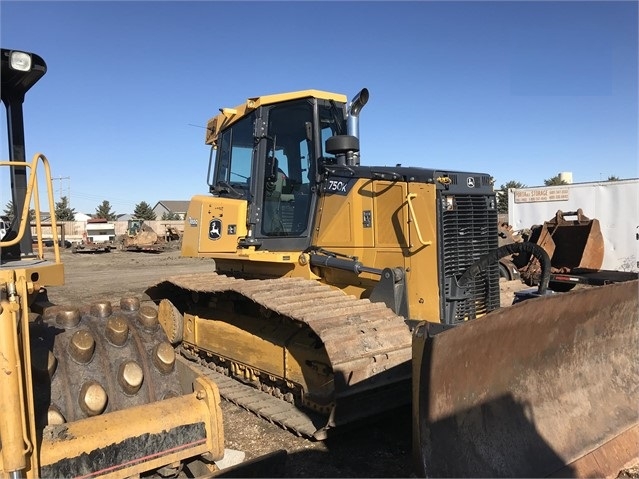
68, 187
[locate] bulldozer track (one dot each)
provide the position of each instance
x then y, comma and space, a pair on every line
368, 345
276, 411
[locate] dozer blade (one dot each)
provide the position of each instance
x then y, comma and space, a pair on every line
547, 387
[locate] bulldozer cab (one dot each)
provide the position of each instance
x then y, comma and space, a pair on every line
134, 227
268, 153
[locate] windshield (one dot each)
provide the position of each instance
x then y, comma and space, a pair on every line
234, 156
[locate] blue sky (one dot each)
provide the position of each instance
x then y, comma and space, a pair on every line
519, 90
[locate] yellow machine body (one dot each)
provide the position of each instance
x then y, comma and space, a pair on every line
324, 269
321, 267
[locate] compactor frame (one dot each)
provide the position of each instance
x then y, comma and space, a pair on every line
91, 390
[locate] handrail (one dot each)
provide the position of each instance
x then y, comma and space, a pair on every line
413, 216
32, 191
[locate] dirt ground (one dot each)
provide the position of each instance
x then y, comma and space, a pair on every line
379, 448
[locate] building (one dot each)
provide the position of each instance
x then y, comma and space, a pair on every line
168, 207
124, 217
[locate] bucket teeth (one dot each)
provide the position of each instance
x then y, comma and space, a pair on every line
54, 416
130, 304
97, 358
44, 363
52, 364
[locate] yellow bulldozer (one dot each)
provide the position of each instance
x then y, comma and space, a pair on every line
85, 390
140, 237
336, 283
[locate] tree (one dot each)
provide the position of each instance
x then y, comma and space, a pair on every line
63, 212
502, 195
613, 178
10, 213
170, 216
104, 211
143, 211
555, 181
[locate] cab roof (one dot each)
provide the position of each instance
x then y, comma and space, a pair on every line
228, 116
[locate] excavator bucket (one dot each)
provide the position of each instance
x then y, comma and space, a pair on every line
571, 244
546, 387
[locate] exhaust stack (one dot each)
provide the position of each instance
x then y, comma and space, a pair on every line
352, 122
354, 109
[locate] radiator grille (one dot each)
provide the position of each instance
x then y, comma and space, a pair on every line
469, 232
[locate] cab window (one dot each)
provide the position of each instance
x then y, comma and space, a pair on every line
287, 181
235, 154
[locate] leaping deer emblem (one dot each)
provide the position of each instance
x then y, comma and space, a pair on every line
215, 229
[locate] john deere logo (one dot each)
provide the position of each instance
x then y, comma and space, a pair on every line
215, 229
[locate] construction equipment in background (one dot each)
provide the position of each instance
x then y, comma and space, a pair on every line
576, 250
171, 233
140, 237
85, 391
611, 203
324, 267
99, 237
507, 268
571, 244
4, 226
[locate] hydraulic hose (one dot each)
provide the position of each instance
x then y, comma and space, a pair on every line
526, 247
